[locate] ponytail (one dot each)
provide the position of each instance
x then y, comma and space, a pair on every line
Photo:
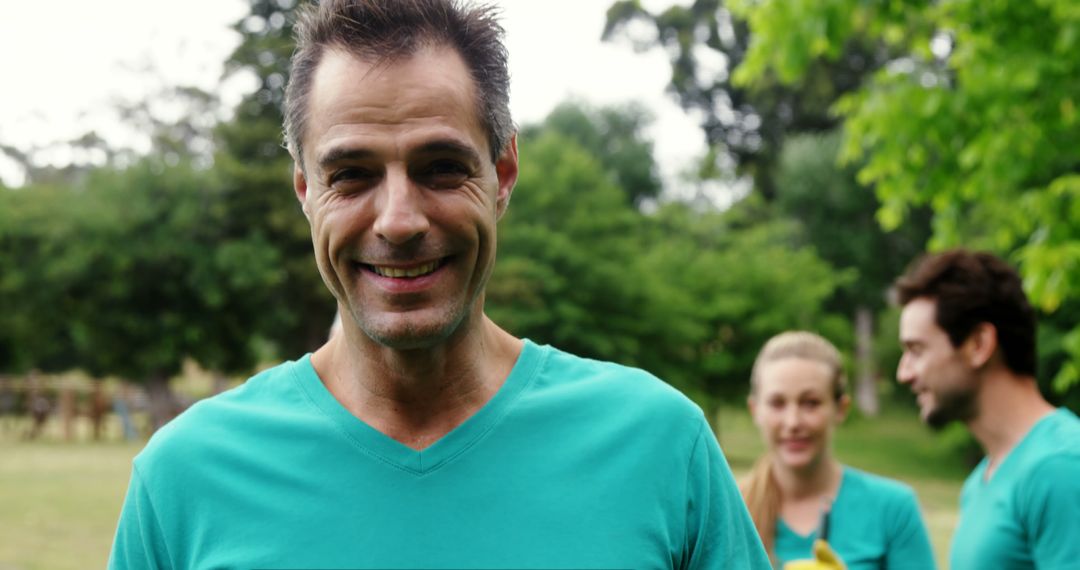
762, 495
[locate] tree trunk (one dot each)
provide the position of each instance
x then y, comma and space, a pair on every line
66, 405
161, 401
866, 392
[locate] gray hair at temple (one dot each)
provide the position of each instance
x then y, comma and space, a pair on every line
383, 30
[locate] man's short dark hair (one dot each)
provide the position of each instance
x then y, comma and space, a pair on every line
972, 288
382, 30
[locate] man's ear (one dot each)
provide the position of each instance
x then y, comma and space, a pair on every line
980, 345
506, 168
300, 187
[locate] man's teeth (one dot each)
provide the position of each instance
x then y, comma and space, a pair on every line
399, 272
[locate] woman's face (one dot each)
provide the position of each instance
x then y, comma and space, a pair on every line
795, 409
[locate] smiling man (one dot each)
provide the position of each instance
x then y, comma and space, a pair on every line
968, 334
422, 435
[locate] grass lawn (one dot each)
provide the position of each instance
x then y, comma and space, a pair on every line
59, 501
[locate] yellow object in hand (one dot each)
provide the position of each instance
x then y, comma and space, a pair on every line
824, 559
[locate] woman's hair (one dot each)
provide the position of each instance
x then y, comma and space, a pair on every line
760, 489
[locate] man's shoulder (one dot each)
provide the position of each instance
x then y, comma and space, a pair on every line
1057, 455
606, 384
1054, 443
1063, 431
1050, 483
227, 416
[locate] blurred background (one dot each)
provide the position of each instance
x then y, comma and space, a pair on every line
696, 176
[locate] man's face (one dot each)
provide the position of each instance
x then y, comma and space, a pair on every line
937, 372
401, 193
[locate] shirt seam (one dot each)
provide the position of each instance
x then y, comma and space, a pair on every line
686, 486
154, 513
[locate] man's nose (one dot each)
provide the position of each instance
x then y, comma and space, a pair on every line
904, 372
401, 217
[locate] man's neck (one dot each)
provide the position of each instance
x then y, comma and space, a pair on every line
1008, 407
417, 396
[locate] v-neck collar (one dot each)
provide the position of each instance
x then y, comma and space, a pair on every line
1007, 461
384, 448
844, 474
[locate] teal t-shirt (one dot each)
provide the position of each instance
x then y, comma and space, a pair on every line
574, 463
1028, 514
874, 524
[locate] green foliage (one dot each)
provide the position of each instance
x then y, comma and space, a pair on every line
744, 125
982, 129
129, 274
614, 135
838, 219
33, 298
130, 270
563, 248
689, 295
256, 177
749, 279
814, 34
769, 129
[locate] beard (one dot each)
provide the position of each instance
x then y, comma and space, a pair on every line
953, 406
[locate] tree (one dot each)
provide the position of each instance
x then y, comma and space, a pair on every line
746, 277
615, 137
256, 177
153, 281
838, 219
687, 294
34, 226
975, 117
567, 247
744, 125
131, 267
777, 130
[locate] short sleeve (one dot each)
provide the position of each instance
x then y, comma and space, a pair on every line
1049, 503
139, 543
909, 543
720, 532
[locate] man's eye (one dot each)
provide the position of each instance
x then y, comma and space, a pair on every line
349, 178
445, 174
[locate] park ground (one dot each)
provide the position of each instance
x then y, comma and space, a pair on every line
60, 500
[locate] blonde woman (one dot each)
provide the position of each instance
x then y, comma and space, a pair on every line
798, 492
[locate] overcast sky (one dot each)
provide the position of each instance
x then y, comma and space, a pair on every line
65, 61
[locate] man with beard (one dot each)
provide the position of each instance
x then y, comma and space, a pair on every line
423, 435
968, 334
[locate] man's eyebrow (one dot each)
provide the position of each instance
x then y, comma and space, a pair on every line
342, 154
441, 146
448, 146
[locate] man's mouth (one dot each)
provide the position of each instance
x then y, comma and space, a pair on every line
406, 272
